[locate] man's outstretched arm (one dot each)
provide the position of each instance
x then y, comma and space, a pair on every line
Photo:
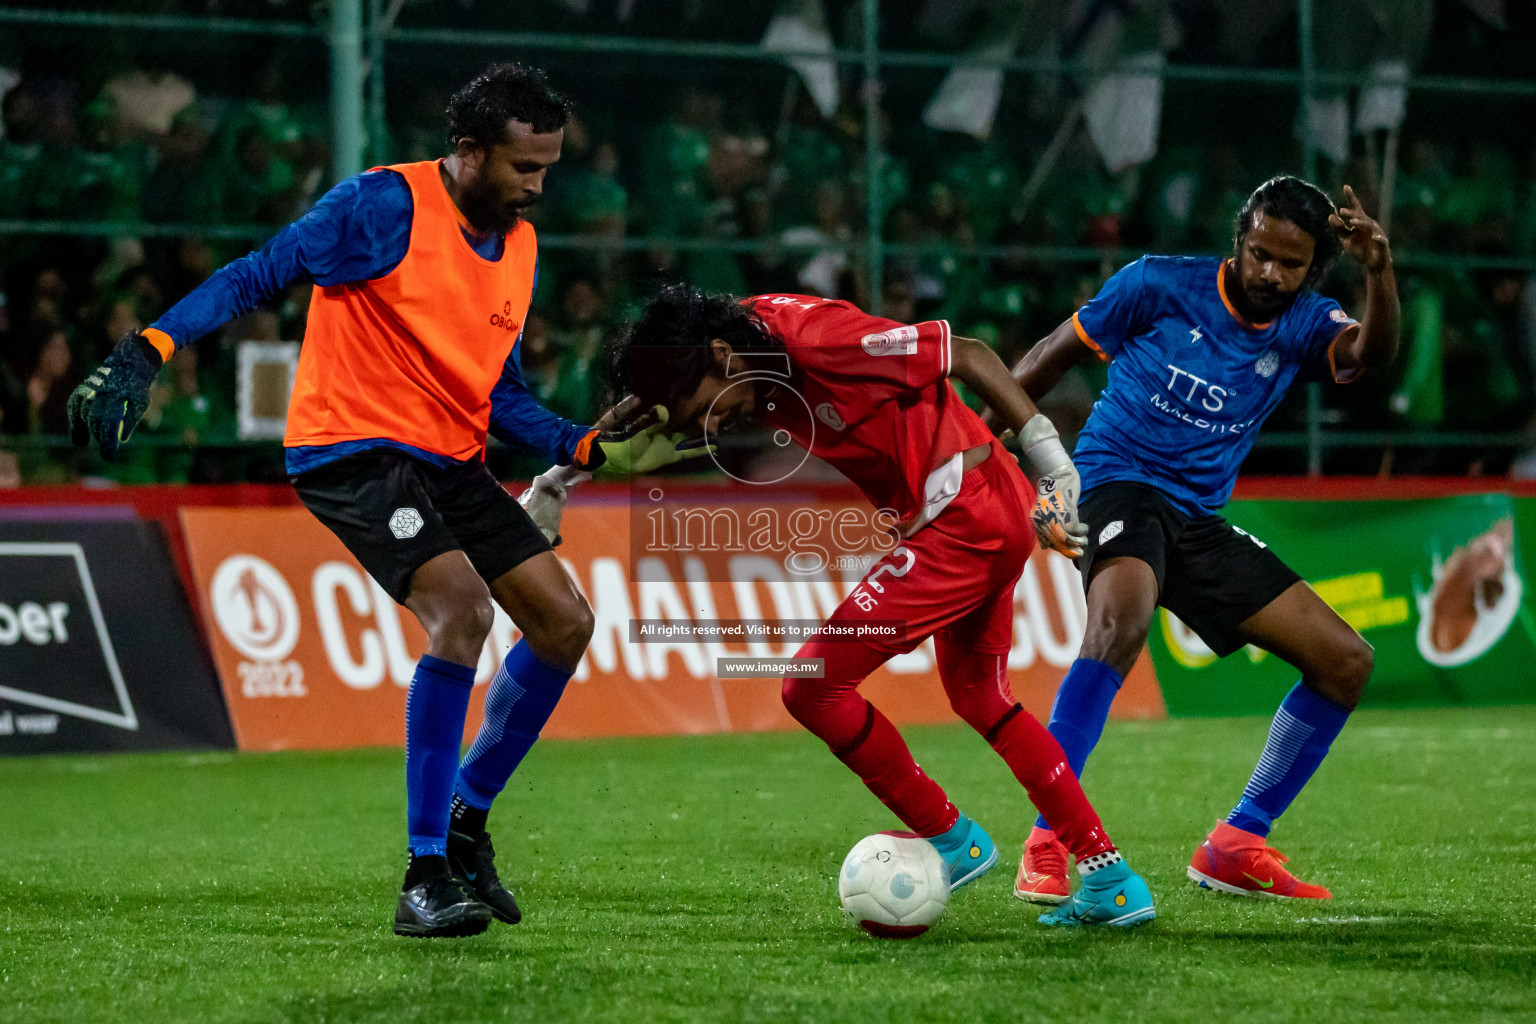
1374, 342
979, 368
358, 231
1042, 367
1046, 462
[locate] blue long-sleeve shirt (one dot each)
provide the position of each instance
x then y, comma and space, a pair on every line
358, 231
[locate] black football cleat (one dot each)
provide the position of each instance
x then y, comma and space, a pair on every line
439, 906
473, 861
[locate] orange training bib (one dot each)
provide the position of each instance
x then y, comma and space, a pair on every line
412, 356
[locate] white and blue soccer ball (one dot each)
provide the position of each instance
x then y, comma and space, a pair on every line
893, 886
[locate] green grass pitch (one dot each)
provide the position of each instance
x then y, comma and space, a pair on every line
695, 880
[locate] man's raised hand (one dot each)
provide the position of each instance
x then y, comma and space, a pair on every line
1362, 237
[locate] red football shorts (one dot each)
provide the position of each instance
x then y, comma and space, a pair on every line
954, 578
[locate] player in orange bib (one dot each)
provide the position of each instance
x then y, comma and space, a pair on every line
423, 274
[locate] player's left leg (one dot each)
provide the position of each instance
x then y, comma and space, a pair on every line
972, 651
1335, 662
927, 581
937, 576
556, 623
1335, 665
529, 583
977, 684
858, 735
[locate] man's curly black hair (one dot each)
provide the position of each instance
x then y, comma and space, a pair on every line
1284, 197
665, 354
501, 93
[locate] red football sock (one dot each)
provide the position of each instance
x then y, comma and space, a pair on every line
977, 684
885, 764
1037, 761
863, 738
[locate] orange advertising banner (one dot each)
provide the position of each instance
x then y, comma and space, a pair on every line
313, 654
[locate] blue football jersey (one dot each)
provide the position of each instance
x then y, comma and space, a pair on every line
1190, 381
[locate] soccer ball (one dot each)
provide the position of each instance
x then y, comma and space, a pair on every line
893, 886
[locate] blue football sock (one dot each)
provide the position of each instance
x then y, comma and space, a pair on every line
1299, 737
1078, 714
434, 728
520, 700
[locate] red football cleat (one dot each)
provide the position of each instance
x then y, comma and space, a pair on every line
1042, 874
1231, 860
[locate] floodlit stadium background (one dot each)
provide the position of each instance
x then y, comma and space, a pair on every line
1023, 151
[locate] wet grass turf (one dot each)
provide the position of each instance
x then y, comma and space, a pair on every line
694, 880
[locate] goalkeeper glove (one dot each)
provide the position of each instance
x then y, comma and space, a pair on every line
544, 500
639, 452
1056, 488
110, 402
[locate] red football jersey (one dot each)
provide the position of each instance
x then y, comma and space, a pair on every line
881, 408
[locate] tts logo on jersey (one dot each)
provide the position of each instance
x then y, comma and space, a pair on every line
504, 319
1214, 396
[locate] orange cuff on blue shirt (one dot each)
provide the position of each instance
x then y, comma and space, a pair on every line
1082, 335
583, 452
1349, 375
162, 342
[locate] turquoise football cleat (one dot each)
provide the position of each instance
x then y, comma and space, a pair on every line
968, 851
1114, 896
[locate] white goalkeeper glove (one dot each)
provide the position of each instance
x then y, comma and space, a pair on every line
544, 500
1057, 486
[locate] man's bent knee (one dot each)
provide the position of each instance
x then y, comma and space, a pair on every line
981, 711
580, 628
457, 627
799, 697
1343, 671
1115, 638
562, 638
807, 700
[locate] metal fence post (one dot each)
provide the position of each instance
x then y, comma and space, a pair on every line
378, 129
874, 200
1309, 171
348, 133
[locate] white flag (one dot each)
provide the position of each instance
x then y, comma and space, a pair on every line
1329, 129
966, 101
802, 26
1383, 101
1124, 111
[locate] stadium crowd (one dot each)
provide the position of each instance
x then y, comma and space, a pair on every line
720, 154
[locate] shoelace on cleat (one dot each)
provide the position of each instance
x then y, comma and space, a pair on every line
1048, 859
450, 887
485, 860
1267, 858
1276, 858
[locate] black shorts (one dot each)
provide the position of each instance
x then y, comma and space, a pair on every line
395, 513
1210, 574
